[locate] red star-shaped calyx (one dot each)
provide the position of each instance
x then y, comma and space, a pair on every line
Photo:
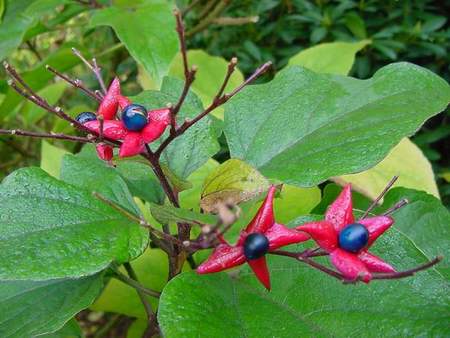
133, 141
347, 241
261, 235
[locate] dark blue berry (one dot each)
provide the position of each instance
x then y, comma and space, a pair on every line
353, 237
134, 117
256, 245
86, 117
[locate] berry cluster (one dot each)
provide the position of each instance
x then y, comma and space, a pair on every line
136, 127
338, 236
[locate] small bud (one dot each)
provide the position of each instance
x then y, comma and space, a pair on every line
58, 109
10, 82
169, 105
47, 66
186, 243
234, 60
5, 64
206, 229
143, 222
13, 132
72, 124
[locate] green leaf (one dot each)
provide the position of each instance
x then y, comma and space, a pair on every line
425, 221
2, 9
51, 158
191, 150
147, 29
405, 160
356, 25
97, 176
234, 181
166, 214
209, 77
332, 57
50, 229
322, 125
31, 308
307, 301
20, 15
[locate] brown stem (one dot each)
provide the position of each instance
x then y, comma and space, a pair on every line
380, 196
397, 206
408, 273
20, 132
75, 83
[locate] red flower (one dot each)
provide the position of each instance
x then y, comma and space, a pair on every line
329, 236
264, 230
133, 141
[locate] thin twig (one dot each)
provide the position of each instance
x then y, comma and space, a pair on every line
408, 273
231, 21
65, 137
209, 19
216, 103
93, 67
396, 206
75, 83
189, 7
380, 196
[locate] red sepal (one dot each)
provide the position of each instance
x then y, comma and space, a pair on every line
264, 218
158, 121
350, 266
374, 263
279, 235
109, 104
259, 267
223, 257
340, 212
123, 101
104, 151
132, 145
376, 226
323, 232
112, 129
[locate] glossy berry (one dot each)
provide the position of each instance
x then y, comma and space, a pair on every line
353, 237
86, 117
134, 117
256, 245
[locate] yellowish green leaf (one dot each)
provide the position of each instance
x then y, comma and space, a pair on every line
51, 158
405, 160
332, 58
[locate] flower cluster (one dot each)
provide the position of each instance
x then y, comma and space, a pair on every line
136, 126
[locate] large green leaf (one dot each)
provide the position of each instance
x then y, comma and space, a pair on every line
31, 308
50, 229
97, 176
191, 150
303, 127
147, 29
70, 330
309, 303
21, 15
209, 77
333, 57
405, 160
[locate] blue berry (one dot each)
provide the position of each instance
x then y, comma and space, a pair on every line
134, 117
86, 117
353, 237
256, 245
